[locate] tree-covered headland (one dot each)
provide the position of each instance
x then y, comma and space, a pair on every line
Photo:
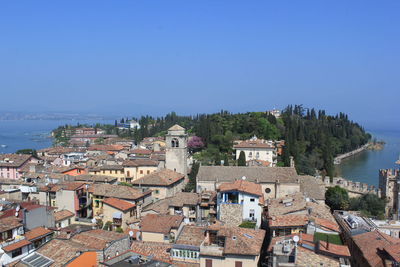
312, 137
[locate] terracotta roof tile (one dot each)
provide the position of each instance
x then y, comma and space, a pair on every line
117, 191
242, 186
333, 249
105, 148
163, 178
16, 245
288, 221
9, 223
327, 224
252, 174
119, 204
61, 251
156, 223
369, 242
139, 162
160, 251
13, 160
245, 242
62, 215
140, 151
36, 233
191, 235
97, 239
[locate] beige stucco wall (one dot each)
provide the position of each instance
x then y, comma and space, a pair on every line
229, 260
108, 215
65, 200
153, 237
138, 172
120, 175
287, 189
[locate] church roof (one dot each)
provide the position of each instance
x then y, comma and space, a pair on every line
252, 174
176, 127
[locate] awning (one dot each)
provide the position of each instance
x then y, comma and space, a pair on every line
117, 215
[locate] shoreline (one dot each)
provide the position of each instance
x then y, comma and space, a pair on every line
338, 159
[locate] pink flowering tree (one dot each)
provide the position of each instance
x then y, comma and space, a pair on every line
195, 144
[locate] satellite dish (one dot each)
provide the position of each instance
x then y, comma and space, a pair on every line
94, 220
244, 178
131, 233
16, 214
18, 208
296, 238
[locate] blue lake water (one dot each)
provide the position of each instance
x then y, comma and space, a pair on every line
364, 167
35, 134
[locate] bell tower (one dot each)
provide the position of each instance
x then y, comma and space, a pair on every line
176, 152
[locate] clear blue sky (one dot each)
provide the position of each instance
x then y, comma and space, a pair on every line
151, 57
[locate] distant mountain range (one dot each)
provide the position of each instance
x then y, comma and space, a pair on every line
51, 116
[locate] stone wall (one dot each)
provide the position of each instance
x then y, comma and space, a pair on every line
231, 214
119, 246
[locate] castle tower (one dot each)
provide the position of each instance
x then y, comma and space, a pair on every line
389, 181
176, 149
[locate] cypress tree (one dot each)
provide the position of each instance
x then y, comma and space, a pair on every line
226, 160
242, 159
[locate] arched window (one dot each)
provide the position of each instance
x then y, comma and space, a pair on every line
250, 155
257, 155
174, 142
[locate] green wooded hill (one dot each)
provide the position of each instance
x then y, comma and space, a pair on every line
312, 137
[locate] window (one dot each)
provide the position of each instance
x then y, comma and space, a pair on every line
257, 155
16, 252
104, 172
252, 200
141, 171
250, 155
267, 190
174, 142
208, 263
238, 264
148, 172
116, 171
157, 191
69, 221
251, 214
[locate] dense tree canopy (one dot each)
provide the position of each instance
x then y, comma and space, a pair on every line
369, 205
312, 138
337, 198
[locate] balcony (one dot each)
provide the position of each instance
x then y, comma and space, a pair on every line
117, 222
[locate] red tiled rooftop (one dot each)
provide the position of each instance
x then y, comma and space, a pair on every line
37, 232
16, 245
242, 186
118, 203
334, 249
288, 220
